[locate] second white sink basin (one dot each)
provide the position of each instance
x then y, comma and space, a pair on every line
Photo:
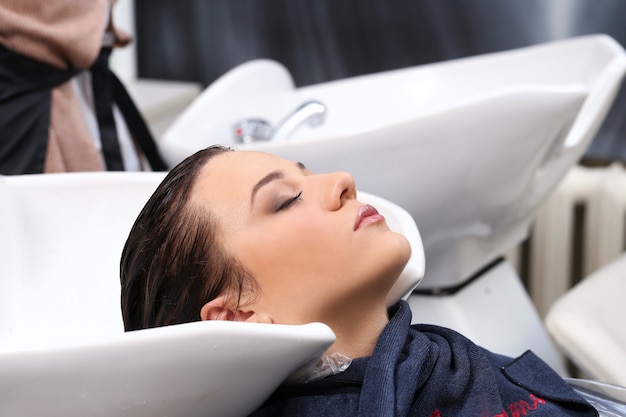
470, 147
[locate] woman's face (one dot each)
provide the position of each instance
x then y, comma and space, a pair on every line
312, 248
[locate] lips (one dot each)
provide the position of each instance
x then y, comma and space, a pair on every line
366, 216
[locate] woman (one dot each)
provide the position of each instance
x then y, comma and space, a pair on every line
58, 97
252, 237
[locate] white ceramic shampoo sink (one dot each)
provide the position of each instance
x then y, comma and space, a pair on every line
470, 147
63, 351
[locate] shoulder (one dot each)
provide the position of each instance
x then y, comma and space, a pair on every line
328, 397
447, 338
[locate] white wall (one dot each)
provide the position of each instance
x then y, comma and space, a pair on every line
124, 60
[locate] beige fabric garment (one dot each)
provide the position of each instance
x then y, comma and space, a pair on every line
65, 34
66, 121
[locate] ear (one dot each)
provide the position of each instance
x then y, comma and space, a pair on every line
220, 309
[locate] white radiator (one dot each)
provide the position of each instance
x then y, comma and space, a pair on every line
580, 228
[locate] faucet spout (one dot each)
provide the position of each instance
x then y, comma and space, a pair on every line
311, 113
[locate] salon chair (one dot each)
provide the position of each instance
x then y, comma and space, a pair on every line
587, 323
63, 351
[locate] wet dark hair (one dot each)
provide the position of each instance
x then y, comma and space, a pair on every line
172, 262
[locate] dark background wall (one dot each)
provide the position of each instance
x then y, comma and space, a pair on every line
322, 40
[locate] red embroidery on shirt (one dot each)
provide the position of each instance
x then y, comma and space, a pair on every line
517, 409
521, 408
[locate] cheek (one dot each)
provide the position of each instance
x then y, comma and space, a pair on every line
284, 252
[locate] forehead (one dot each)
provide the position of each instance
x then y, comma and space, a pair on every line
229, 177
238, 168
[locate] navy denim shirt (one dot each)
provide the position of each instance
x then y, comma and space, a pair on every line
430, 371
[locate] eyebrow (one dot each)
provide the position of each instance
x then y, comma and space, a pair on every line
272, 176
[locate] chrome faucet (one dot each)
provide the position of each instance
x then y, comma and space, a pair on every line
311, 113
252, 130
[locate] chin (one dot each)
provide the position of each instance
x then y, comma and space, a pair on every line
403, 248
394, 257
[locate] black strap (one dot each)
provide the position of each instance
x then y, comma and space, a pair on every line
108, 89
102, 86
137, 125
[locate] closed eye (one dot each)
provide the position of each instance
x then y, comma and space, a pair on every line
287, 203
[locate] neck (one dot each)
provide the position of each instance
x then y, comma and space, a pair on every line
358, 333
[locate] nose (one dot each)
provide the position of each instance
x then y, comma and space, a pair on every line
340, 188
